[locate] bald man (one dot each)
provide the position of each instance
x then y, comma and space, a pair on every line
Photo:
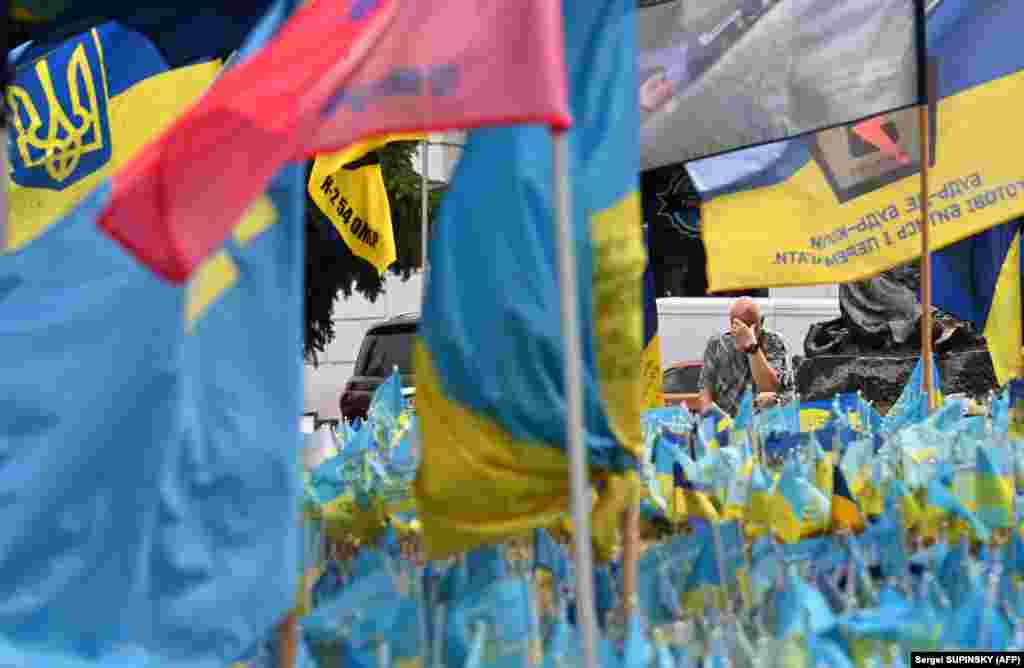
746, 355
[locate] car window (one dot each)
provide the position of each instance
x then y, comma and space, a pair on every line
679, 380
382, 352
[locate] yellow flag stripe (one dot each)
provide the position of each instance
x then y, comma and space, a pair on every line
467, 462
846, 515
651, 364
257, 220
619, 261
215, 275
743, 253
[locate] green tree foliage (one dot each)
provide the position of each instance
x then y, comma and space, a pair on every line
331, 268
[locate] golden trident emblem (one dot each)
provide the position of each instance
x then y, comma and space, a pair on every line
65, 141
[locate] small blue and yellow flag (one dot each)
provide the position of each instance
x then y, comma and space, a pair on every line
994, 487
912, 405
802, 509
719, 557
760, 511
815, 415
745, 415
943, 501
899, 497
713, 431
493, 417
692, 502
845, 511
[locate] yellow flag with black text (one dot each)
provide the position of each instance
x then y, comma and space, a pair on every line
354, 199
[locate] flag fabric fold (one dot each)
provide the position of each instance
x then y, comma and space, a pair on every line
493, 418
653, 397
355, 202
146, 463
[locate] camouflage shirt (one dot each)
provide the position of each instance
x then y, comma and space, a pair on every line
726, 372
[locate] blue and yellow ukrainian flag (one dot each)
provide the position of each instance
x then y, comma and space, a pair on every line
815, 415
844, 203
979, 280
713, 431
912, 405
149, 463
96, 85
1015, 409
691, 501
801, 509
664, 454
761, 504
994, 487
704, 582
489, 361
745, 413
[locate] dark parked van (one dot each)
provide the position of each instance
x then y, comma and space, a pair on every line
386, 345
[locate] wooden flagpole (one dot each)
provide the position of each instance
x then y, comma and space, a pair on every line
926, 265
924, 114
288, 641
630, 555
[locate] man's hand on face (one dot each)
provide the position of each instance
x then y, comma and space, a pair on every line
742, 334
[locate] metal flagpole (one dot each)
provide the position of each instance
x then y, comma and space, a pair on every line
579, 477
926, 260
424, 207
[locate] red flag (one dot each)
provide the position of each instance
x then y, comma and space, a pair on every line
337, 72
455, 65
